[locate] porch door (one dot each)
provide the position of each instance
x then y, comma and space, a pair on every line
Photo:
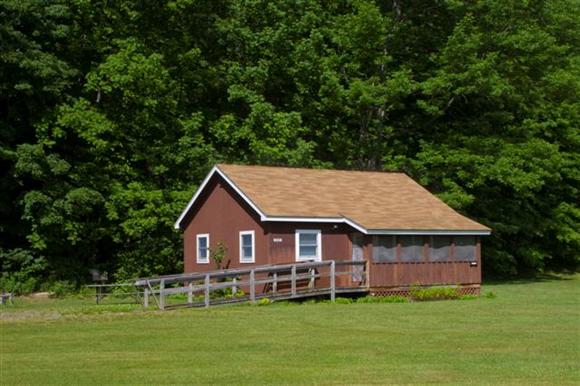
357, 255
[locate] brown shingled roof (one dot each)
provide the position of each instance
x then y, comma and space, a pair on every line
373, 200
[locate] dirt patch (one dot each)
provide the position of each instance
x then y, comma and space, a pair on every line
39, 295
29, 315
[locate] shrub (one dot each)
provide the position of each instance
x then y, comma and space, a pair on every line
490, 295
62, 288
18, 284
218, 254
343, 300
383, 299
434, 293
263, 302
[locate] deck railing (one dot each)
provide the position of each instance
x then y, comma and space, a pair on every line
275, 282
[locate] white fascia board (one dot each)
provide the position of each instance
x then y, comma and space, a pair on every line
434, 232
213, 171
332, 220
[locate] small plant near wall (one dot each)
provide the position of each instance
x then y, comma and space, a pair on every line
218, 254
434, 293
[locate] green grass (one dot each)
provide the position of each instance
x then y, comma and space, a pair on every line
528, 334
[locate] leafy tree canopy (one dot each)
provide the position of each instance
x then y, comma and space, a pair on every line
112, 113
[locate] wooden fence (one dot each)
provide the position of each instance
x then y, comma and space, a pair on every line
275, 282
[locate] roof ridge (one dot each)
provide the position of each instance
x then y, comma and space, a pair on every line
312, 169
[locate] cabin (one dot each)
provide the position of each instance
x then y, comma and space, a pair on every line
278, 215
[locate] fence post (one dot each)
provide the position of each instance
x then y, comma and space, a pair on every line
146, 297
252, 286
235, 287
368, 273
312, 277
275, 283
162, 294
190, 293
293, 278
206, 299
332, 280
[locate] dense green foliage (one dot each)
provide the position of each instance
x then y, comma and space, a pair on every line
112, 113
528, 335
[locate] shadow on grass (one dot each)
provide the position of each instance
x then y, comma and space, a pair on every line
537, 278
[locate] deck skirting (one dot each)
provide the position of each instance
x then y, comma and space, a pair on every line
463, 289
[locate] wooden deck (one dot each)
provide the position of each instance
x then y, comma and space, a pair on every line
275, 282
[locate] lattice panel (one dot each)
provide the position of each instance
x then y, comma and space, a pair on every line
471, 290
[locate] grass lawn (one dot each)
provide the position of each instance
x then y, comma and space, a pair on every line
528, 334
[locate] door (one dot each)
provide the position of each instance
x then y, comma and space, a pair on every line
357, 255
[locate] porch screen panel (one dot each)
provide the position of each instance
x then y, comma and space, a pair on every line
465, 248
384, 249
439, 248
411, 248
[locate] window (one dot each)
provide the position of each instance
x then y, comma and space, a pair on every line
247, 247
439, 248
411, 248
308, 245
203, 248
384, 249
465, 248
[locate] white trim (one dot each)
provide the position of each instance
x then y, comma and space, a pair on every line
434, 232
253, 259
332, 220
318, 234
198, 258
213, 171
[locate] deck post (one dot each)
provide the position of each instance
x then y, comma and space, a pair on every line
293, 278
162, 295
146, 297
275, 283
206, 297
368, 273
252, 286
235, 287
190, 294
312, 277
332, 280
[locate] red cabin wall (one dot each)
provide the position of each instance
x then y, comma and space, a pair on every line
222, 214
335, 240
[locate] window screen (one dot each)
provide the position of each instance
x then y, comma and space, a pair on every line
411, 248
465, 248
384, 249
308, 245
439, 248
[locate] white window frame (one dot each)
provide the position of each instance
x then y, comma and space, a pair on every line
318, 234
199, 259
253, 258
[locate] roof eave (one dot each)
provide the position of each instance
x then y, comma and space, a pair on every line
431, 232
212, 172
